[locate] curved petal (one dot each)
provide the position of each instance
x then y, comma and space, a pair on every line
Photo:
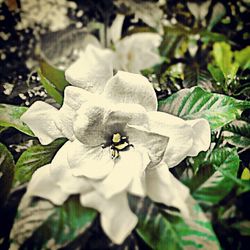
42, 119
43, 186
91, 162
163, 187
137, 186
138, 51
62, 175
117, 220
97, 120
92, 70
201, 136
115, 30
127, 166
180, 135
74, 97
127, 87
154, 143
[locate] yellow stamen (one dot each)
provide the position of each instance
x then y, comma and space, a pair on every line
116, 138
114, 154
121, 146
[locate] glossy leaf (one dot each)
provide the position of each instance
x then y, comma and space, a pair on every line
10, 117
50, 88
161, 230
208, 36
224, 59
242, 57
155, 229
216, 73
53, 75
196, 230
194, 76
217, 175
7, 168
237, 133
195, 103
34, 158
42, 225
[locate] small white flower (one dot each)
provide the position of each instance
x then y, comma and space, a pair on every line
132, 53
117, 144
137, 52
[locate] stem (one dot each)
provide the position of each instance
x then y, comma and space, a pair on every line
243, 150
106, 20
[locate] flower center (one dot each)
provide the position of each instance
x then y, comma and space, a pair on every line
116, 144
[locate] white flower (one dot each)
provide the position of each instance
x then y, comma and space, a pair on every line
117, 144
132, 53
137, 52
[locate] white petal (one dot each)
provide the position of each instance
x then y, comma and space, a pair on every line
62, 174
138, 51
74, 97
137, 186
117, 220
180, 135
201, 136
43, 186
92, 70
116, 28
89, 122
127, 87
127, 166
163, 187
97, 120
42, 119
154, 143
91, 162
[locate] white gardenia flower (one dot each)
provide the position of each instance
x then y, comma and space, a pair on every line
117, 144
132, 53
137, 52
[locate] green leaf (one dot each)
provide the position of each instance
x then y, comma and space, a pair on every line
243, 227
10, 117
242, 57
34, 158
51, 89
218, 12
53, 75
223, 57
194, 76
216, 73
7, 168
208, 36
195, 103
154, 228
44, 226
196, 231
217, 175
160, 230
237, 133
